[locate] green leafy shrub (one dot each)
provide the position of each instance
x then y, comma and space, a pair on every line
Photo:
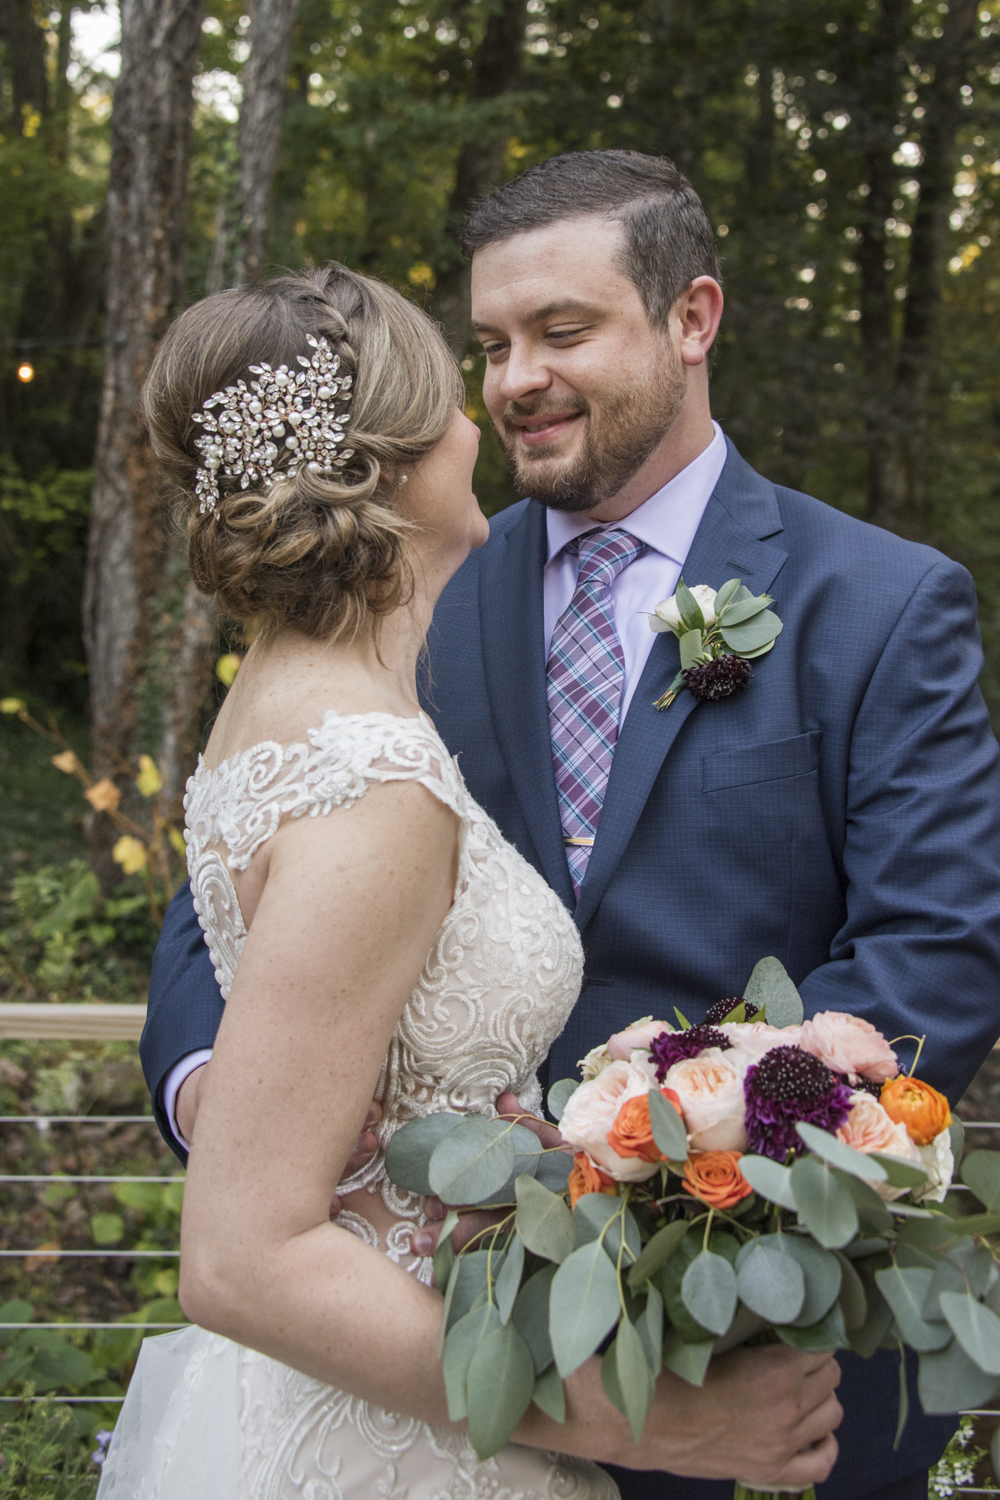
61, 939
47, 1453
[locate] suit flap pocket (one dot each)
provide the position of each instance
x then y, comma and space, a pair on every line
770, 762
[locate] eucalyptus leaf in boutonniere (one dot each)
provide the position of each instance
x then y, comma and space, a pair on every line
720, 633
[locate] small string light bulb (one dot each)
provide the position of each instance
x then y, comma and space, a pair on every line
25, 373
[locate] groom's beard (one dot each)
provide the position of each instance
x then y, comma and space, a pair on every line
619, 436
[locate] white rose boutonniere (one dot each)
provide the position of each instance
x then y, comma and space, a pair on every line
720, 633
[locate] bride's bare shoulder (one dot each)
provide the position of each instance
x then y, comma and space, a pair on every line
279, 697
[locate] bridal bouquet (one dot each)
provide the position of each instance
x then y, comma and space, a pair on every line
752, 1178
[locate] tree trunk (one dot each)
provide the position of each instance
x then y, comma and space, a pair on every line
147, 236
24, 63
881, 92
261, 112
928, 246
898, 369
496, 72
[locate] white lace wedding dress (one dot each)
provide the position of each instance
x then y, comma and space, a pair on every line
206, 1419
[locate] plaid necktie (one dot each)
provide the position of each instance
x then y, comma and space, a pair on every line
586, 673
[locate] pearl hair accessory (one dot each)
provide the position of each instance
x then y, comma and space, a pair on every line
401, 481
305, 408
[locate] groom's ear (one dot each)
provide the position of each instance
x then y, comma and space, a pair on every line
695, 318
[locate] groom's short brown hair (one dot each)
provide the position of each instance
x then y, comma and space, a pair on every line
668, 238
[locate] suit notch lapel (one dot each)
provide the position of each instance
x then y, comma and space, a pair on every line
513, 630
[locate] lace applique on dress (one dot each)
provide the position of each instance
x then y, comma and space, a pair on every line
496, 990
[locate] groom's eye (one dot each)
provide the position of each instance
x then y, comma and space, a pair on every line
563, 335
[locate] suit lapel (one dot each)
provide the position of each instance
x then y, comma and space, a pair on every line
513, 630
727, 545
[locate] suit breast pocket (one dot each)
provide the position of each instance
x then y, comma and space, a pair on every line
776, 760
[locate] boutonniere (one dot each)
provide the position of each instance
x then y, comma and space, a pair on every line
720, 633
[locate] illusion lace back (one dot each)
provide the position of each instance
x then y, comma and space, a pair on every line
206, 1419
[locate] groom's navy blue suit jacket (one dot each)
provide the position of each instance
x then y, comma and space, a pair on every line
843, 813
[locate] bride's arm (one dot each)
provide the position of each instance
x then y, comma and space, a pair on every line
348, 914
350, 909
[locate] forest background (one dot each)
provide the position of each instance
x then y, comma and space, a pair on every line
848, 154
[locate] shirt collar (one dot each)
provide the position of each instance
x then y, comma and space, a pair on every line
668, 520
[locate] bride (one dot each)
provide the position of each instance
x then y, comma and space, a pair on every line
373, 933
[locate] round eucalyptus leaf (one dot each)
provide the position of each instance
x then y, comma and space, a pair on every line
408, 1154
583, 1306
472, 1161
499, 1388
709, 1291
771, 1285
825, 1206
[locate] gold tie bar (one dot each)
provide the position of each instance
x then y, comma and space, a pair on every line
585, 843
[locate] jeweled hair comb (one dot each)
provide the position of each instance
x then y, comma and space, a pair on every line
306, 409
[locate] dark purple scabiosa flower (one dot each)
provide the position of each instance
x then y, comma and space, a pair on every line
718, 1012
863, 1085
786, 1086
671, 1046
717, 679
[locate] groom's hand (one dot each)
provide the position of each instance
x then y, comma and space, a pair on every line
474, 1222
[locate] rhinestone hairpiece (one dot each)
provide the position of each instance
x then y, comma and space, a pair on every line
304, 408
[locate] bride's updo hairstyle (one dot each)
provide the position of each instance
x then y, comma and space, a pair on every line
322, 553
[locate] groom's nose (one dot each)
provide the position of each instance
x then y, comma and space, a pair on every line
523, 373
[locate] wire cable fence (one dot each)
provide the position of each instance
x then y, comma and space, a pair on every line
43, 1123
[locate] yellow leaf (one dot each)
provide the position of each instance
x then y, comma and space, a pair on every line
103, 796
149, 781
12, 705
177, 841
130, 853
227, 667
66, 761
44, 1256
422, 275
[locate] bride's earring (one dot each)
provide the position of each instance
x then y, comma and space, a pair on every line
401, 481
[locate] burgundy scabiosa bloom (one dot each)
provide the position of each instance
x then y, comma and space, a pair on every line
717, 679
718, 1012
671, 1046
786, 1086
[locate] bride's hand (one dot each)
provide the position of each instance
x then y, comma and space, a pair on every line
364, 1149
472, 1223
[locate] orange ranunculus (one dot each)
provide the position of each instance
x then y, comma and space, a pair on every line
586, 1178
715, 1178
923, 1111
632, 1133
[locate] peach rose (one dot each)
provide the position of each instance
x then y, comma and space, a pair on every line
710, 1089
868, 1128
592, 1111
634, 1038
923, 1111
632, 1132
715, 1178
847, 1044
586, 1178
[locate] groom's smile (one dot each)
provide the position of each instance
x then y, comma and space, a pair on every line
595, 408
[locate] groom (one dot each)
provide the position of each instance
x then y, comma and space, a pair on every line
842, 813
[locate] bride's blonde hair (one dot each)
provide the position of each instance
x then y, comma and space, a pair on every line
323, 554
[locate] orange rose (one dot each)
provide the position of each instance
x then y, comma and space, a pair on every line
586, 1178
632, 1133
714, 1178
923, 1111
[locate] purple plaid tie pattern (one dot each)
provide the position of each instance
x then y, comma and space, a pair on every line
586, 673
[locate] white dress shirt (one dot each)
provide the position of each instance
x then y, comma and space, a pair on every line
667, 523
